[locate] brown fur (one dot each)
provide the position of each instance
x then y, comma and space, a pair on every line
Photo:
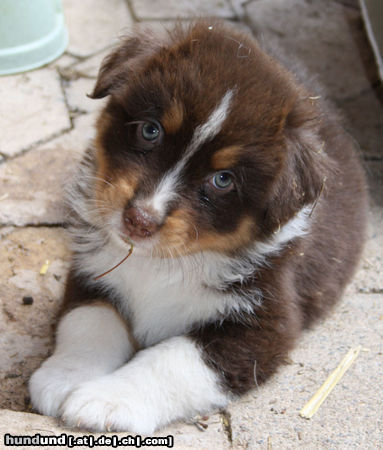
226, 157
173, 117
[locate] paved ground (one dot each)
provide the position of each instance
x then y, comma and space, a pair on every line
45, 122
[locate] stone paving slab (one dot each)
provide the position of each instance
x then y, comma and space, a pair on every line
76, 140
32, 110
94, 24
181, 9
369, 279
366, 128
89, 67
329, 39
31, 187
76, 93
25, 330
317, 33
65, 60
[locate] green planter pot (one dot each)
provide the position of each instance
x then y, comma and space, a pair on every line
32, 33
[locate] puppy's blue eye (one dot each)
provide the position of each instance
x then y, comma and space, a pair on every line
223, 181
150, 131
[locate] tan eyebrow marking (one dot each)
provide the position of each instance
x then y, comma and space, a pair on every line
226, 157
173, 118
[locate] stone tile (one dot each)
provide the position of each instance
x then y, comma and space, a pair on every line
369, 278
238, 7
65, 60
363, 116
76, 94
241, 26
77, 140
349, 3
94, 24
31, 187
185, 9
90, 66
374, 173
32, 110
26, 330
189, 436
350, 417
322, 34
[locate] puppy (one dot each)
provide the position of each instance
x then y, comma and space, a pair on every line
243, 206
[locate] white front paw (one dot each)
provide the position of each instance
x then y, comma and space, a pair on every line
105, 404
51, 383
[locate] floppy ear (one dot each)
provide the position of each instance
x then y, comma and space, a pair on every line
117, 67
306, 166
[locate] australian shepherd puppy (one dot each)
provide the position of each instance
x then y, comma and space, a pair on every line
242, 207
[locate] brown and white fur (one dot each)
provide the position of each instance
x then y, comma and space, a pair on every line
246, 206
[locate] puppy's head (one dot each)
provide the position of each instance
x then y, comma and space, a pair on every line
206, 143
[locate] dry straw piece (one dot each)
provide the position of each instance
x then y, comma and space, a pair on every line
117, 265
45, 267
312, 406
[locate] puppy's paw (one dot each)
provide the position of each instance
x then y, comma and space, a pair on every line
49, 386
55, 379
105, 404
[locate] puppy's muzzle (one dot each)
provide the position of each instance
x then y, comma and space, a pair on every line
139, 222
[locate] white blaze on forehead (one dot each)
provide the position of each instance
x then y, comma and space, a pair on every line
207, 131
166, 189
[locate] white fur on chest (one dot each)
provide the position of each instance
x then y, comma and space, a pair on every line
161, 297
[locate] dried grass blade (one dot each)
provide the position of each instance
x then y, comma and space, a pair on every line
45, 267
117, 265
318, 398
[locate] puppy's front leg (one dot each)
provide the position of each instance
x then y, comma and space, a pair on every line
91, 340
160, 384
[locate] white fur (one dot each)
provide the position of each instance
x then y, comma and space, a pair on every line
160, 384
83, 217
297, 226
165, 192
166, 189
206, 132
163, 297
91, 341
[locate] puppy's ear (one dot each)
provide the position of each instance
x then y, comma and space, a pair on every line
115, 68
121, 63
306, 166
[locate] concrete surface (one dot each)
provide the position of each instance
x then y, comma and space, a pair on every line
45, 122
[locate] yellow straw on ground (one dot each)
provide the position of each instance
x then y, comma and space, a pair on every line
312, 406
44, 267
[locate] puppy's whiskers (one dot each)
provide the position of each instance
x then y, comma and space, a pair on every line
97, 179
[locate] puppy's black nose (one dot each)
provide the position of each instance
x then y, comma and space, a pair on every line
139, 222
